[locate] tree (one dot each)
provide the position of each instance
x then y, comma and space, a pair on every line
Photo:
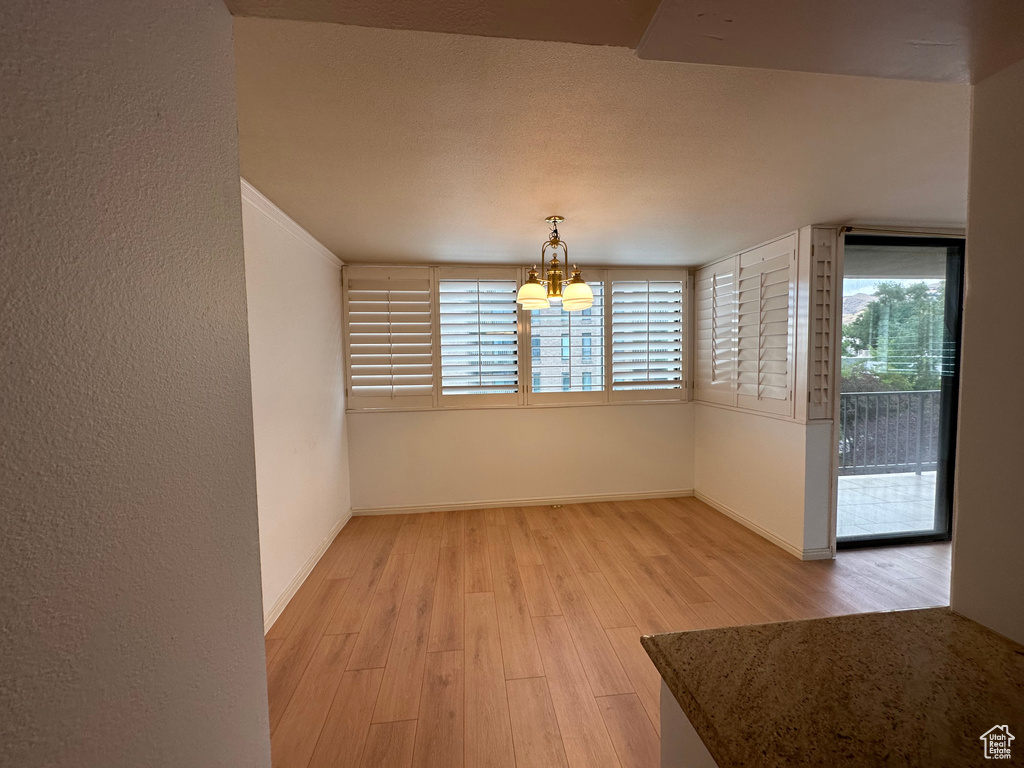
902, 334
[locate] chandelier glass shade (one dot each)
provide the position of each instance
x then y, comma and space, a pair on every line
572, 293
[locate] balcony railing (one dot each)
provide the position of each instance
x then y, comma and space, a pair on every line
882, 432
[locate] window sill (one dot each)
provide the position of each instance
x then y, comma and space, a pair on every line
442, 408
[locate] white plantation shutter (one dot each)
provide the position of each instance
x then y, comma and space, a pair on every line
389, 321
478, 337
648, 337
715, 333
823, 326
765, 300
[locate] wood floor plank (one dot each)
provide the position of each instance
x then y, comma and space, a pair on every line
408, 535
641, 670
399, 697
522, 542
711, 615
676, 576
518, 643
595, 652
734, 603
351, 612
343, 737
304, 594
440, 727
271, 646
434, 646
638, 530
535, 733
478, 564
447, 621
641, 609
453, 529
432, 525
378, 627
290, 661
572, 545
584, 735
488, 728
636, 743
609, 609
495, 516
348, 556
390, 745
295, 736
539, 594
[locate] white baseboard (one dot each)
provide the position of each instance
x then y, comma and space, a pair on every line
824, 553
293, 586
529, 502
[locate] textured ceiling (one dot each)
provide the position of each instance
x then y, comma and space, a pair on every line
939, 40
595, 22
411, 146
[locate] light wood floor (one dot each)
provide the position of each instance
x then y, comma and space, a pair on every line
510, 637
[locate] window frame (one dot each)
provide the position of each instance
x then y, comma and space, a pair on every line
594, 396
480, 399
384, 273
666, 274
525, 396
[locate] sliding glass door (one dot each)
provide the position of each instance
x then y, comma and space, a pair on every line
900, 377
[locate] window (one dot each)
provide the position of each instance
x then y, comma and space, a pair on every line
567, 331
647, 337
438, 337
390, 352
478, 337
745, 329
714, 333
764, 333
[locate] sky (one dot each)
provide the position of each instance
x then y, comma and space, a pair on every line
853, 286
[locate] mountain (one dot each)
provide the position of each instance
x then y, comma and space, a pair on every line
854, 305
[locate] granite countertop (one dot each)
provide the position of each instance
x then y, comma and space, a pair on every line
900, 688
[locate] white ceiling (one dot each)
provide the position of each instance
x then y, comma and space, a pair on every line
939, 40
403, 146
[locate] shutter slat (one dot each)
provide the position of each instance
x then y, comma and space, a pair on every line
647, 334
389, 332
763, 332
478, 337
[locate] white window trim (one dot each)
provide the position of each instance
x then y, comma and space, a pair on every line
526, 398
682, 394
442, 400
812, 243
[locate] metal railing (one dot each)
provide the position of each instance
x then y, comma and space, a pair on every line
882, 432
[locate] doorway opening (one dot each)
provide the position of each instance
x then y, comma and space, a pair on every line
902, 302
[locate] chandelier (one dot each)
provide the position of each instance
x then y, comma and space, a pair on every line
573, 294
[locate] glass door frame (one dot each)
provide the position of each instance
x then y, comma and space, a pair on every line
949, 388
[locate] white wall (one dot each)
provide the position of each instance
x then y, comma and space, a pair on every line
495, 457
293, 285
129, 551
988, 539
771, 474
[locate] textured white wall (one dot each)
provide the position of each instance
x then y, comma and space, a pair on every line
492, 457
293, 287
772, 473
988, 535
129, 555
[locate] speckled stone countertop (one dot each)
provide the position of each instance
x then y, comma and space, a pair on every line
902, 688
